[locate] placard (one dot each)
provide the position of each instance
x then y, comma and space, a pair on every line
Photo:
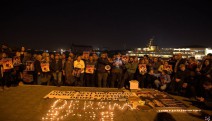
89, 69
142, 68
45, 67
29, 66
7, 63
168, 68
16, 61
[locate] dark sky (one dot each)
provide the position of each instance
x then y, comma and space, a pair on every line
42, 24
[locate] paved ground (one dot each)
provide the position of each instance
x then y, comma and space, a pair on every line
26, 103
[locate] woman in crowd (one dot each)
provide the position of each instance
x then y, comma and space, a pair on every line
166, 67
79, 68
68, 72
192, 65
207, 68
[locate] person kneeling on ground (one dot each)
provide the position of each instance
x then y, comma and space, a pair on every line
164, 80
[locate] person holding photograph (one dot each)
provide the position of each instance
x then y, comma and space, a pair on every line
7, 72
90, 67
46, 73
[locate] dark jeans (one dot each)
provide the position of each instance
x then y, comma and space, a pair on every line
175, 87
115, 77
35, 78
142, 80
7, 79
125, 81
102, 79
57, 78
89, 80
79, 81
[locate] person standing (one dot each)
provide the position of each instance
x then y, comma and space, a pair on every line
68, 70
141, 73
90, 67
63, 59
116, 71
56, 69
38, 70
1, 73
131, 67
102, 73
45, 76
179, 61
79, 68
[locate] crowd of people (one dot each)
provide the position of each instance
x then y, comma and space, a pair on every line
180, 76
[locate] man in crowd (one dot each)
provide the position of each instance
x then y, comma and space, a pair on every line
102, 73
56, 68
116, 71
180, 79
179, 61
131, 67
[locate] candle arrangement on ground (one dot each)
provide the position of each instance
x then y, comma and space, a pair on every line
85, 110
101, 106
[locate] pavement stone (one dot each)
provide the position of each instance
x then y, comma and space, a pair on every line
26, 103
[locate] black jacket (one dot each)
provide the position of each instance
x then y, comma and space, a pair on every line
56, 66
37, 66
183, 75
101, 63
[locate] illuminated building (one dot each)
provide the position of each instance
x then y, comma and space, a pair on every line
154, 51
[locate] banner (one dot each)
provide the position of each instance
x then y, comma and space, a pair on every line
45, 67
29, 66
27, 77
7, 63
89, 69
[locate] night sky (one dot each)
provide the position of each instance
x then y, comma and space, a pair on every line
112, 24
